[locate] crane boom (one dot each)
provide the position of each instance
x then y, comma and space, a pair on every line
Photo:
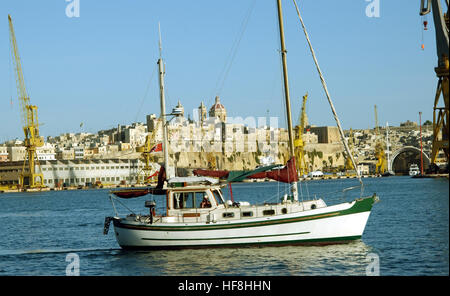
20, 81
29, 178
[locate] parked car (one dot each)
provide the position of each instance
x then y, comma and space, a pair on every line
315, 174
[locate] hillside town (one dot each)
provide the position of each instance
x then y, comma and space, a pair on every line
209, 140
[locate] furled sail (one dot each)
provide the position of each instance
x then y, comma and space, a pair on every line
287, 174
137, 192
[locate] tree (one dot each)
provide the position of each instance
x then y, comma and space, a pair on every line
330, 160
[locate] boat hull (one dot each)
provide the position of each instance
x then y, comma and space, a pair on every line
334, 224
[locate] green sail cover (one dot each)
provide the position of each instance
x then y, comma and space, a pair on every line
239, 176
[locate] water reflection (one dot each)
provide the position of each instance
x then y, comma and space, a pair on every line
343, 259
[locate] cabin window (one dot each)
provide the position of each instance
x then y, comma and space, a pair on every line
191, 200
184, 200
228, 215
217, 196
268, 212
202, 200
284, 211
247, 214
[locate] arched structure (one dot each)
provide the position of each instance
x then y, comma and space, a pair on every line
402, 158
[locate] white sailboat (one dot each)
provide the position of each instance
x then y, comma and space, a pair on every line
197, 214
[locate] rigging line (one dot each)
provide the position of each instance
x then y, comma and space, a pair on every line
145, 94
329, 98
307, 189
10, 77
231, 56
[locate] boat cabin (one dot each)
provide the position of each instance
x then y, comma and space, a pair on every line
193, 203
206, 203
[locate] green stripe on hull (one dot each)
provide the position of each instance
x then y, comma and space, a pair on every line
361, 205
221, 238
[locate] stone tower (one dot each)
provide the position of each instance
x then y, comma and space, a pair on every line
180, 108
202, 112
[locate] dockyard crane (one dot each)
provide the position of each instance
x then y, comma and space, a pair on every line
348, 161
30, 177
298, 142
440, 114
380, 166
147, 172
211, 161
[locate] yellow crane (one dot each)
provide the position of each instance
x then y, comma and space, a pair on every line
211, 159
380, 166
348, 161
29, 178
440, 114
145, 175
299, 145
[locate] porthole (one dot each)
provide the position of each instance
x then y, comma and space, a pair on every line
247, 214
268, 212
228, 215
284, 211
313, 206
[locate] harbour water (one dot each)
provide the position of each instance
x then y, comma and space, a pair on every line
407, 233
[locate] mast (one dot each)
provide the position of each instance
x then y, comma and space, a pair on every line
286, 94
388, 149
163, 108
421, 147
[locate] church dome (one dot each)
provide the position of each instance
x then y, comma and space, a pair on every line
218, 110
217, 104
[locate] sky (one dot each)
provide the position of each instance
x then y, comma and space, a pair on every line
99, 68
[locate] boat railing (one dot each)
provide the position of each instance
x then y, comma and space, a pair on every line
112, 198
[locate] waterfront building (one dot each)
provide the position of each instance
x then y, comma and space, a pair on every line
326, 134
65, 173
16, 153
3, 153
78, 152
